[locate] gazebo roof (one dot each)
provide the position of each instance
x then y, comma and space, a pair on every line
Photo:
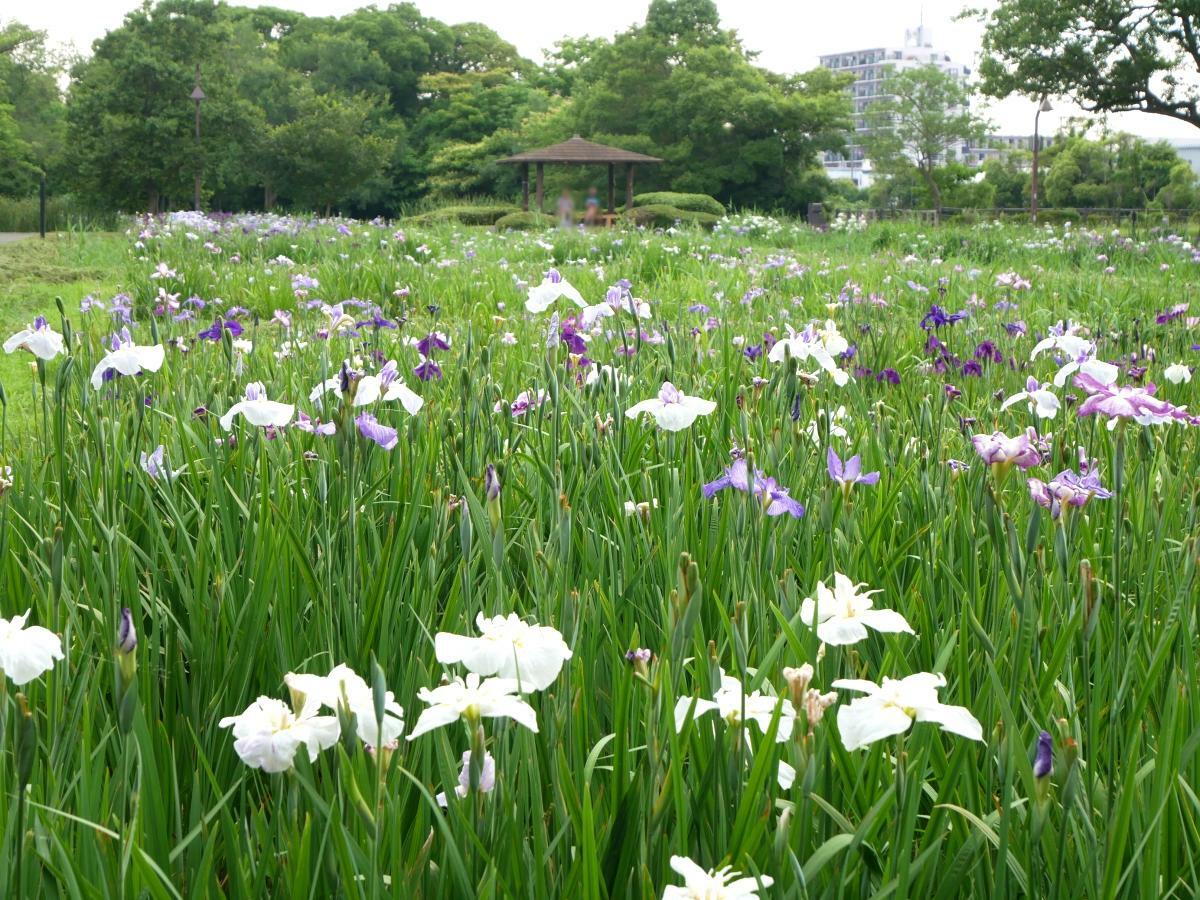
580, 152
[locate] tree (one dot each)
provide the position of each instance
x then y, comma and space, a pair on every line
129, 119
923, 116
683, 89
1105, 55
1009, 178
1114, 170
327, 150
32, 119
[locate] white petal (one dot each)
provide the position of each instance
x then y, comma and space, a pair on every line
646, 406
867, 720
684, 704
955, 719
839, 631
267, 412
675, 416
227, 419
885, 620
431, 718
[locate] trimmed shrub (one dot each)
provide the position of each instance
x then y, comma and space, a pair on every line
466, 215
524, 221
688, 202
660, 215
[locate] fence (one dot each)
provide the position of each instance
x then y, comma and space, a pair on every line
1181, 221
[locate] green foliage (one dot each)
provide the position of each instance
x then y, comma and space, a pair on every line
692, 202
293, 552
525, 221
683, 89
662, 215
1106, 56
1114, 171
327, 150
31, 110
1182, 190
1009, 178
467, 215
925, 115
435, 105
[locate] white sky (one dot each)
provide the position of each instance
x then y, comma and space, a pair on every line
788, 34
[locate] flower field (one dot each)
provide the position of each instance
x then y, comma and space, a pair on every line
368, 561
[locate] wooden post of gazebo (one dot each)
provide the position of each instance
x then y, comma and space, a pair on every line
578, 152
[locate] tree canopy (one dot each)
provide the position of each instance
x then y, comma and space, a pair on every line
924, 115
1105, 55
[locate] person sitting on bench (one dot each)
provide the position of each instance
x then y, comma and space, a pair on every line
592, 207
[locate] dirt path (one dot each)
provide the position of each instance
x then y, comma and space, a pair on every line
8, 237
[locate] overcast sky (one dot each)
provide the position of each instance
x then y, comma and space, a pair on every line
788, 34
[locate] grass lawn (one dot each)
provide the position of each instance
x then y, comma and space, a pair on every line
33, 273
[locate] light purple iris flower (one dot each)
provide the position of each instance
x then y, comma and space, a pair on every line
1128, 402
849, 473
154, 465
774, 498
1067, 489
370, 428
1001, 451
314, 426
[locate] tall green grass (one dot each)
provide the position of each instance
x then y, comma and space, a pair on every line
295, 553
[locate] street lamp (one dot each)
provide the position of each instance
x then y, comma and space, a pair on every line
197, 95
1044, 106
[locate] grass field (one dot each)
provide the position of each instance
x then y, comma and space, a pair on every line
266, 548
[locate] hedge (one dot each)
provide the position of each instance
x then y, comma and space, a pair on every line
701, 203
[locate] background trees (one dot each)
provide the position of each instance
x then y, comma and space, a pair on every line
373, 111
1106, 55
919, 125
370, 111
31, 109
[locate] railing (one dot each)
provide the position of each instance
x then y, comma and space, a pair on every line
1179, 220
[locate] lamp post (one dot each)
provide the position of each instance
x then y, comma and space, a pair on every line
1044, 106
197, 96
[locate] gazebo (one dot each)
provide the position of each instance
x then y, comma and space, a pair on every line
578, 152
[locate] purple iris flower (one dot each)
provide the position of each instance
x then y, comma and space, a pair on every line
428, 370
214, 333
1067, 489
370, 428
121, 307
433, 341
891, 376
988, 351
938, 317
774, 498
126, 633
1043, 760
998, 449
571, 338
849, 473
1135, 403
154, 464
376, 321
314, 426
1171, 314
